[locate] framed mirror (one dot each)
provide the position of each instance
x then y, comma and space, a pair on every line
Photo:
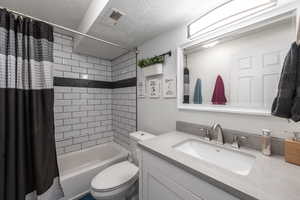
241, 66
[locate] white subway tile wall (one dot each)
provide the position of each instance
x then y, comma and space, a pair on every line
124, 99
69, 64
124, 67
85, 117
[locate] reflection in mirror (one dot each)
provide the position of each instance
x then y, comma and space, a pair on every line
245, 68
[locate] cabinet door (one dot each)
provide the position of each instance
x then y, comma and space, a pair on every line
157, 186
161, 180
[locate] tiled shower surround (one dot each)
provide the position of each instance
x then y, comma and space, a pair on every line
72, 65
124, 67
124, 114
124, 99
84, 116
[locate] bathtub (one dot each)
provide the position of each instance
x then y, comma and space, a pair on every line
77, 169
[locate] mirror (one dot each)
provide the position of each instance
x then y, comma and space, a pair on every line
247, 63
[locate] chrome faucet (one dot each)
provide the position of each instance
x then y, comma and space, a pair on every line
217, 130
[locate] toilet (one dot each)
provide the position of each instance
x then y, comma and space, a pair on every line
116, 181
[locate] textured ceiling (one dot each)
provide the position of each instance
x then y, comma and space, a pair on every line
67, 13
143, 19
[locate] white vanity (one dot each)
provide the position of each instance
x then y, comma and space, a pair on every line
173, 166
165, 181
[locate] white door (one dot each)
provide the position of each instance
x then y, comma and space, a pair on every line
255, 76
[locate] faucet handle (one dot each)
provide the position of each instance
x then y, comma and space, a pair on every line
207, 135
236, 140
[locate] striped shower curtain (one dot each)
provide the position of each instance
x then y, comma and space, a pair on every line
28, 165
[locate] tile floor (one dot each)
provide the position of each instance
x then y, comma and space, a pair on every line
87, 197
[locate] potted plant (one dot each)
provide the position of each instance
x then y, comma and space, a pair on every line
152, 66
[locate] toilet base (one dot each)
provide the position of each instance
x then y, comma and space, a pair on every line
120, 196
130, 193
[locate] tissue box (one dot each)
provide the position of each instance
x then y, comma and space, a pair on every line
292, 151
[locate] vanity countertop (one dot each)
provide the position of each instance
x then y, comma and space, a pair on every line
271, 178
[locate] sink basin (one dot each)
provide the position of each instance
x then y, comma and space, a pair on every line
235, 161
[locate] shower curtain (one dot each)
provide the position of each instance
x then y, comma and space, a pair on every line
28, 165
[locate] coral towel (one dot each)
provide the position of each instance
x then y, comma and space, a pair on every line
219, 92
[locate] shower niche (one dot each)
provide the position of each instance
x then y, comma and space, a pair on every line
238, 70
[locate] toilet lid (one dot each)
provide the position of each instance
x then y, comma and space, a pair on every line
115, 176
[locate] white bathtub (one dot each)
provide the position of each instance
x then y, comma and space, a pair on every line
77, 169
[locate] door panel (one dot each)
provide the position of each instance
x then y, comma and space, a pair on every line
159, 186
161, 180
254, 77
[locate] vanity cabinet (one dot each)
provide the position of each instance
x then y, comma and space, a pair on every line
161, 180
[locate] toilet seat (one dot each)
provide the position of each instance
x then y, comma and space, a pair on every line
115, 176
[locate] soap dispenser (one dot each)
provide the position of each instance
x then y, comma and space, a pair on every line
266, 141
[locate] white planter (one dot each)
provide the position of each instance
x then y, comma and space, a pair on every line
153, 70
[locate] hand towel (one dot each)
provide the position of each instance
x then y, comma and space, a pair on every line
198, 92
219, 92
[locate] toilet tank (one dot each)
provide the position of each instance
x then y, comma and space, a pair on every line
136, 137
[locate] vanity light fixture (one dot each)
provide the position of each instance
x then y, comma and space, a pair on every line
209, 45
228, 12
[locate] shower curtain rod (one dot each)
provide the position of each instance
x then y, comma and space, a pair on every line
66, 29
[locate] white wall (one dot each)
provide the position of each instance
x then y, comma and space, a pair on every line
160, 115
